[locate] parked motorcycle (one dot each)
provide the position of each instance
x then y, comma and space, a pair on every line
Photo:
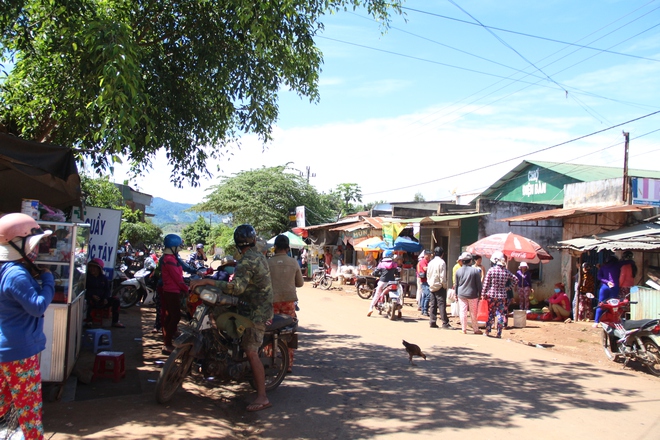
119, 276
322, 279
138, 288
366, 286
637, 340
211, 344
391, 302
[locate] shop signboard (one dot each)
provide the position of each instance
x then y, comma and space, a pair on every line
103, 235
645, 191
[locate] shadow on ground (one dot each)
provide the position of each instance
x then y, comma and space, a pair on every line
346, 388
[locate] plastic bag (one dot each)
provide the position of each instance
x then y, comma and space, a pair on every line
482, 311
455, 309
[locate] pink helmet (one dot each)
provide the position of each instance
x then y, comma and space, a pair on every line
17, 225
97, 262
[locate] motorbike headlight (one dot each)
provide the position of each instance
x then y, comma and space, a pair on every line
209, 297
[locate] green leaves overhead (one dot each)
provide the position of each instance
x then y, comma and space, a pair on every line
263, 198
129, 77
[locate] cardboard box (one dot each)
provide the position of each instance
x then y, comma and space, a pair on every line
31, 208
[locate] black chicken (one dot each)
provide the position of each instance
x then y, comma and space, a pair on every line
413, 350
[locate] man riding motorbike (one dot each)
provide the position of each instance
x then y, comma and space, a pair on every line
252, 283
387, 271
198, 258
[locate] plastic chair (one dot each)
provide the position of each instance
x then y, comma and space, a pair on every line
115, 371
97, 339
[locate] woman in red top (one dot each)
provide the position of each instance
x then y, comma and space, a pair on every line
559, 304
173, 288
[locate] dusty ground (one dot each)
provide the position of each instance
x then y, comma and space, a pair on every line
333, 390
576, 339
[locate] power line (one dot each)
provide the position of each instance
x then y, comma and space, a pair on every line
616, 144
531, 35
514, 158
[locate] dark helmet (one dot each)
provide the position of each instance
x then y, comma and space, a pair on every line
172, 241
245, 235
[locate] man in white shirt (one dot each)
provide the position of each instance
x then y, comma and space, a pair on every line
436, 273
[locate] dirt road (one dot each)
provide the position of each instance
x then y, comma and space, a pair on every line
352, 380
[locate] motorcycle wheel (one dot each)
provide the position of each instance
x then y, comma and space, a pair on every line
652, 352
174, 372
363, 291
275, 373
393, 304
325, 283
128, 296
607, 347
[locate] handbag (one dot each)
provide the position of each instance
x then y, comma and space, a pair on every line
482, 311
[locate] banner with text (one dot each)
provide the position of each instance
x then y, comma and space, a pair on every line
103, 235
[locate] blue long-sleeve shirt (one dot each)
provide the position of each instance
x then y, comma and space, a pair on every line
22, 306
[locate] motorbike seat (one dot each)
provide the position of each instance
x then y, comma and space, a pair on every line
279, 321
634, 324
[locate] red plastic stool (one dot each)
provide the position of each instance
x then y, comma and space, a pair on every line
97, 317
116, 371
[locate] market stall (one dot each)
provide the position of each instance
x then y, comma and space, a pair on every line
47, 175
64, 317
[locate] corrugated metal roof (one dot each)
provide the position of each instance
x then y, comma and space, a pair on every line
440, 218
589, 173
559, 213
642, 237
366, 223
579, 172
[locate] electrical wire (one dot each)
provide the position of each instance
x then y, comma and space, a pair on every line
532, 35
513, 158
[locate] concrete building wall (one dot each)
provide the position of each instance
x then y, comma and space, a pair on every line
595, 193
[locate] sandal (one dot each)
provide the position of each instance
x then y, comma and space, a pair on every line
118, 325
258, 406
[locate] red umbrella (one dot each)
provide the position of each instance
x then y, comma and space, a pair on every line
513, 246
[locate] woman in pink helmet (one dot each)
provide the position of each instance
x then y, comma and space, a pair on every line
23, 303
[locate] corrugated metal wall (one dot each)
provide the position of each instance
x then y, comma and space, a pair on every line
648, 303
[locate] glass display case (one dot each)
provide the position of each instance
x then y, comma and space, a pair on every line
64, 252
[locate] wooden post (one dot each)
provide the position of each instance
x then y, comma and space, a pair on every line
626, 135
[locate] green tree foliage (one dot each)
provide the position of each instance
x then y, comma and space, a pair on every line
197, 232
141, 234
100, 192
129, 77
418, 197
263, 198
222, 236
347, 193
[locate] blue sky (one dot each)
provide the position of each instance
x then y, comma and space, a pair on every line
457, 86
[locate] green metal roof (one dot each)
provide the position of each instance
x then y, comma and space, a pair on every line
589, 173
543, 182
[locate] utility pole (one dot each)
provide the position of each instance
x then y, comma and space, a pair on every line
308, 174
626, 135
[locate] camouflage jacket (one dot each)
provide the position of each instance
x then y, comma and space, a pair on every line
252, 283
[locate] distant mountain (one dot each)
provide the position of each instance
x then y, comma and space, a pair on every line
166, 212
